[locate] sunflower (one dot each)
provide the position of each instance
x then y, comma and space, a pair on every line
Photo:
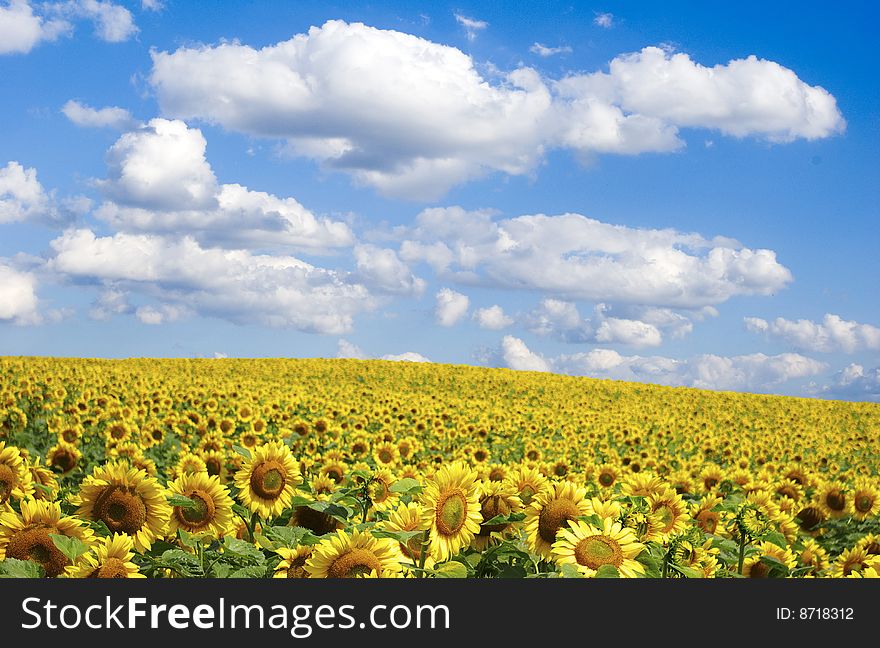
851, 560
813, 555
109, 558
188, 464
669, 513
605, 509
268, 479
495, 500
386, 454
356, 555
642, 484
211, 514
293, 562
215, 464
451, 501
381, 496
549, 512
865, 501
25, 536
63, 457
832, 498
527, 483
754, 567
127, 500
15, 477
707, 519
710, 477
588, 548
45, 484
606, 476
335, 470
409, 517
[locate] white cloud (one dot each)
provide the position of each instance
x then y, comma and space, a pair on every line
152, 5
543, 50
230, 284
162, 313
18, 298
853, 382
109, 117
407, 356
492, 318
575, 258
604, 20
515, 354
451, 306
346, 349
160, 181
754, 372
631, 332
472, 26
382, 270
21, 30
832, 334
110, 302
113, 23
22, 197
413, 118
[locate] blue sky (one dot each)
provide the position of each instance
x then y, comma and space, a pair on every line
374, 186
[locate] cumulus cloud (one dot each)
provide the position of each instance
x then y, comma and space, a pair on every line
450, 307
514, 354
21, 30
345, 349
472, 26
753, 372
543, 50
113, 23
492, 318
110, 302
22, 197
152, 5
109, 117
412, 118
831, 334
854, 382
575, 258
235, 285
159, 181
18, 297
604, 20
382, 269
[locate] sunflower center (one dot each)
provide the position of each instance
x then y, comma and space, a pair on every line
317, 522
759, 570
121, 510
199, 515
296, 568
553, 516
490, 507
379, 492
710, 482
357, 562
112, 568
597, 550
666, 516
809, 517
212, 464
69, 436
7, 482
385, 455
835, 500
451, 513
268, 479
864, 503
496, 474
526, 493
64, 460
35, 544
707, 521
606, 479
334, 473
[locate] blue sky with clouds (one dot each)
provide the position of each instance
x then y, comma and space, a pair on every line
666, 193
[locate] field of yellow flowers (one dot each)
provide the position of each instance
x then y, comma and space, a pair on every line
348, 468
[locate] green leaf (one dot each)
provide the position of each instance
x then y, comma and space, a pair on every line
252, 571
776, 565
593, 520
406, 485
73, 548
181, 500
244, 452
451, 569
15, 568
187, 538
687, 572
235, 547
569, 571
776, 538
607, 571
505, 519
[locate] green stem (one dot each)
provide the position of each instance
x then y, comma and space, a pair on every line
423, 555
742, 550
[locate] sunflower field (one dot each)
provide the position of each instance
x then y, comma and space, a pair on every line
349, 468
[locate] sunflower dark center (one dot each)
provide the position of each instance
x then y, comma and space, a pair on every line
835, 500
451, 513
121, 509
864, 503
64, 460
34, 543
199, 515
597, 550
112, 568
553, 516
317, 522
490, 507
268, 479
296, 568
606, 478
354, 563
